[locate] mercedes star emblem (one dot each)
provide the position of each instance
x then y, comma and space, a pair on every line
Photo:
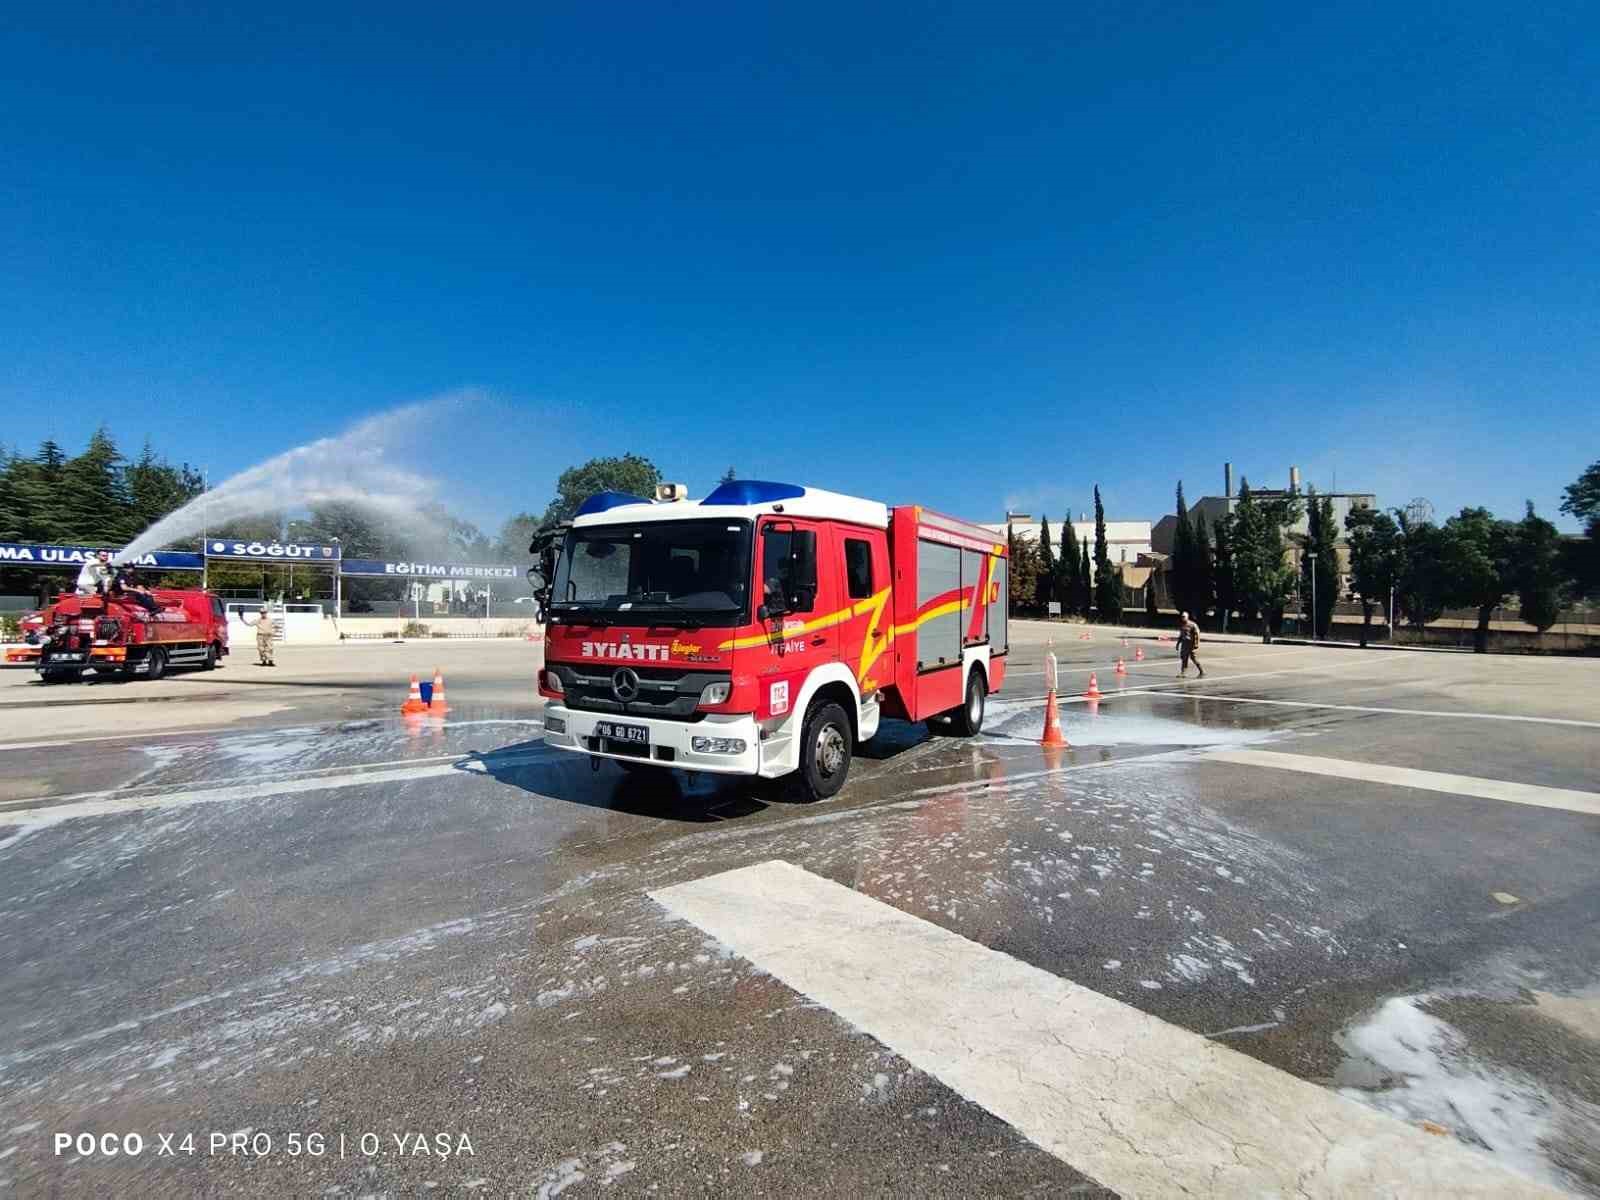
625, 684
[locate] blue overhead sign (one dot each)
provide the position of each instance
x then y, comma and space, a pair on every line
36, 554
270, 551
430, 570
33, 554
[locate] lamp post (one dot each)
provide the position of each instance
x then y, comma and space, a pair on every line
1312, 555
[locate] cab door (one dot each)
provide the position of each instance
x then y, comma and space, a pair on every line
799, 608
865, 632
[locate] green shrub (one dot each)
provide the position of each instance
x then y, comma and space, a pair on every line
10, 627
414, 629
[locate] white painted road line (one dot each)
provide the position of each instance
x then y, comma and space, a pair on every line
1367, 708
100, 804
1410, 777
1142, 1106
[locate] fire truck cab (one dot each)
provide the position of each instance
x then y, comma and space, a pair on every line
764, 630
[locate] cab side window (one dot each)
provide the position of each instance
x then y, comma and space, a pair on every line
788, 568
858, 567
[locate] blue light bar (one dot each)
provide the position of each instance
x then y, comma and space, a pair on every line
753, 491
601, 501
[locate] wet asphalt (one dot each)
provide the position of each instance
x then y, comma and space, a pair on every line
434, 967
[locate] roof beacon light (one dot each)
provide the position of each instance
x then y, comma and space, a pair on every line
601, 501
753, 491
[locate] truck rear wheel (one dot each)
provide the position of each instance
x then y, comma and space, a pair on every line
968, 719
157, 660
210, 662
824, 751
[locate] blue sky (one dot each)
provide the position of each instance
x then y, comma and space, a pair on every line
962, 255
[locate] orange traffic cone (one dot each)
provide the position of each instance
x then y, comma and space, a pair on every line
414, 702
1138, 654
1093, 692
1052, 723
438, 708
1121, 669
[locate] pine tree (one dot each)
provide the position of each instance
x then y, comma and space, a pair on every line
1085, 587
1046, 591
1022, 574
94, 501
1107, 582
727, 477
155, 487
36, 495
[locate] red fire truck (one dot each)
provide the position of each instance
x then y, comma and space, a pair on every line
764, 630
114, 634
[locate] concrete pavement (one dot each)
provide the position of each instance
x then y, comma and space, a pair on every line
317, 933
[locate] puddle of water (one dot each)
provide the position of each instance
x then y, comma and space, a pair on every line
1112, 725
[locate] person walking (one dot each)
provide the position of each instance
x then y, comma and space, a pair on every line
1188, 646
264, 631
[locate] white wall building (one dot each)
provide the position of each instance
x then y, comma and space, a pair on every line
1125, 540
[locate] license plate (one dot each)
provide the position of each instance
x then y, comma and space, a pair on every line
55, 658
633, 735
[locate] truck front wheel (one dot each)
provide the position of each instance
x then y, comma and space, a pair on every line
824, 751
213, 652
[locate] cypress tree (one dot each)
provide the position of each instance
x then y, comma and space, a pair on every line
1107, 583
1047, 566
1204, 572
1183, 558
1085, 596
1067, 567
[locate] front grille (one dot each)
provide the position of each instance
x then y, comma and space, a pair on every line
667, 692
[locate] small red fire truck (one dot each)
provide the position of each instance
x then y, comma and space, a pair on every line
117, 635
764, 630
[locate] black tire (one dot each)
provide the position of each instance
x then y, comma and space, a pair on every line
968, 719
157, 660
825, 750
213, 652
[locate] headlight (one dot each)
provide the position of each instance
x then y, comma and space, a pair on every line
714, 745
552, 682
716, 693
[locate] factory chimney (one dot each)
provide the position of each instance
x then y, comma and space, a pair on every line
1227, 481
1294, 481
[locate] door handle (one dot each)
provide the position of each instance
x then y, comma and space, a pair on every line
817, 641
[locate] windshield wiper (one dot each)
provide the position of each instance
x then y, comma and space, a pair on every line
694, 617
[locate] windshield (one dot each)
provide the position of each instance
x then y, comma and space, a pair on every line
665, 571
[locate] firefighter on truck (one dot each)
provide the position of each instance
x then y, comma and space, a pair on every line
765, 630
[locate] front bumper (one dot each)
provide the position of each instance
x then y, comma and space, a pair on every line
676, 736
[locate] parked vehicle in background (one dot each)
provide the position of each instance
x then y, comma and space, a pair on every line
116, 635
764, 630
